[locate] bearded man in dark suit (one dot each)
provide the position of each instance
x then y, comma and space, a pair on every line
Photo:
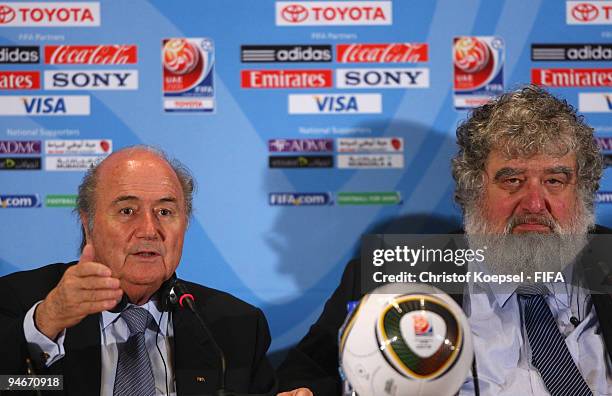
526, 174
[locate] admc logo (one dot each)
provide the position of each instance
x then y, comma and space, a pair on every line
7, 14
294, 13
585, 12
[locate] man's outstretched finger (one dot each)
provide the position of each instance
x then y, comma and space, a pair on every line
90, 267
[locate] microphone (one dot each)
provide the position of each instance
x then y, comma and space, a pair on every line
575, 321
180, 296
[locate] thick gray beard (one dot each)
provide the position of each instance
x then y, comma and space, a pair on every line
507, 253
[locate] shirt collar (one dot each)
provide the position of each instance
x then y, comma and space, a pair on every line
161, 318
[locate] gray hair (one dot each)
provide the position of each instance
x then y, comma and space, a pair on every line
523, 123
86, 202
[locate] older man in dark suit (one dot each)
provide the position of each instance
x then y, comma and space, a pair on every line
105, 322
526, 174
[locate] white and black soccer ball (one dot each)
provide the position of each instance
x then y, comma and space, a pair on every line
406, 340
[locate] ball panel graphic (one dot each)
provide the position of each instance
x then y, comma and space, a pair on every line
428, 348
406, 339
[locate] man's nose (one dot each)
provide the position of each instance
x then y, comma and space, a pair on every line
534, 200
148, 226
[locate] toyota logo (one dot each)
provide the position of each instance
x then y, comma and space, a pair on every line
294, 13
7, 14
585, 12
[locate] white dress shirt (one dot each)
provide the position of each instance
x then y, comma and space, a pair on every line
113, 331
504, 357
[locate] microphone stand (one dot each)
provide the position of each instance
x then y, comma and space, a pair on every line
178, 295
189, 302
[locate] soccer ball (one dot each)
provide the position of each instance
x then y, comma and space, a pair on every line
406, 340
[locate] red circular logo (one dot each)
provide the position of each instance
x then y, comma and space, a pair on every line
471, 55
7, 14
585, 12
421, 324
180, 56
294, 13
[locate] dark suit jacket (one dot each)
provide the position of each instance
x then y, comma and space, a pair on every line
240, 330
313, 362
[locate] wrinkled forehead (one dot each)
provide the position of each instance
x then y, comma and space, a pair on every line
520, 146
137, 172
500, 164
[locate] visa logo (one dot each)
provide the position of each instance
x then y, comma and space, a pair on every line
335, 104
595, 102
47, 105
39, 105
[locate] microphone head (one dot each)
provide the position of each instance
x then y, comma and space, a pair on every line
166, 303
180, 295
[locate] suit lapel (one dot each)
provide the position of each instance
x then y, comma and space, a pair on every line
603, 307
82, 365
196, 365
595, 270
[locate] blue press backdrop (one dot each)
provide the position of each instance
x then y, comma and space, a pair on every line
284, 259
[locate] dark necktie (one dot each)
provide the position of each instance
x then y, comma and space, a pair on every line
134, 375
549, 354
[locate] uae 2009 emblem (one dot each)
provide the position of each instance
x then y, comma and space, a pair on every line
188, 75
478, 64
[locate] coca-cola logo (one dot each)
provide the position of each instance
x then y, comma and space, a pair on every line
471, 55
113, 54
382, 53
294, 13
7, 14
180, 56
585, 12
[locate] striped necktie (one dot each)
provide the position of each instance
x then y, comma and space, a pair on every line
549, 354
134, 374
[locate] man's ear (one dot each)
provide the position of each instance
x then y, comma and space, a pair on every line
85, 226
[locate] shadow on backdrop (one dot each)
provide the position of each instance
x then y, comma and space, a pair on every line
409, 224
314, 243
